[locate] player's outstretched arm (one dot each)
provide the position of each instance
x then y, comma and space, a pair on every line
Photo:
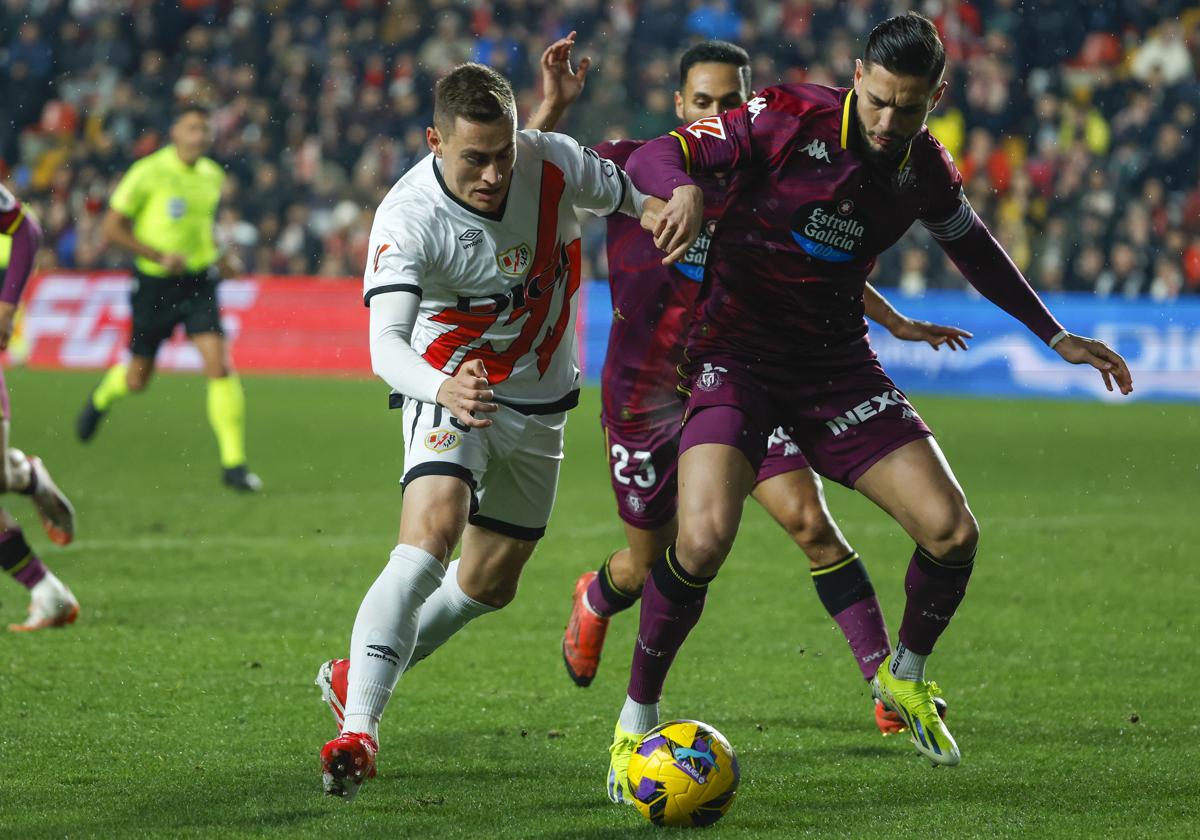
880, 310
561, 86
1081, 350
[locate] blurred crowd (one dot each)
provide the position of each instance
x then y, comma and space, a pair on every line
1075, 123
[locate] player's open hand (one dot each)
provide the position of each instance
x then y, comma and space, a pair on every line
7, 313
679, 222
1081, 350
561, 85
467, 392
935, 335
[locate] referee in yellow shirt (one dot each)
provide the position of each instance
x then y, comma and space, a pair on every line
163, 211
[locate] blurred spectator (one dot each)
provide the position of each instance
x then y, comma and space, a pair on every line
1075, 122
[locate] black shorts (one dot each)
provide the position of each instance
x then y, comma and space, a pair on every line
160, 303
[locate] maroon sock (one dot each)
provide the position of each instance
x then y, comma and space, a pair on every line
604, 597
934, 591
846, 591
672, 601
18, 560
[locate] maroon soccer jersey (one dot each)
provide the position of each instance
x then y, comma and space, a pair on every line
806, 216
652, 305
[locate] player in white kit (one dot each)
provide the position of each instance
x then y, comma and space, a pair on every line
472, 282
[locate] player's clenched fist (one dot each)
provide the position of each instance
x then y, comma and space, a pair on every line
467, 392
679, 222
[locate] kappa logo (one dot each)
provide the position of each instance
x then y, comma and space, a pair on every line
379, 253
712, 126
873, 407
516, 260
710, 378
634, 502
816, 149
383, 652
442, 440
781, 438
470, 238
756, 106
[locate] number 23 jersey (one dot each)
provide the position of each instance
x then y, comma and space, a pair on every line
502, 287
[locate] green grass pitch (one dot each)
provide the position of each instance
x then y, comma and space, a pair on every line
182, 703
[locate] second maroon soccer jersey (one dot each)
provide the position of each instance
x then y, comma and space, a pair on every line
806, 217
652, 306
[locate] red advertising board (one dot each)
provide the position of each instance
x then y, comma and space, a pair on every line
285, 324
274, 324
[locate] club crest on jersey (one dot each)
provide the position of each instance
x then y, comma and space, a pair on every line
516, 260
691, 265
442, 440
712, 126
829, 231
710, 378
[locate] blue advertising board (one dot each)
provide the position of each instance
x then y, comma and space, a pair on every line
1161, 342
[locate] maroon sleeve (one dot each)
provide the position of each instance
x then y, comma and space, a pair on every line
748, 135
26, 239
975, 252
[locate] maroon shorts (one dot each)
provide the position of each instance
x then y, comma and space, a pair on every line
843, 420
642, 460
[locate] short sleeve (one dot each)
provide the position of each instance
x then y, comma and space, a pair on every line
595, 183
396, 262
130, 194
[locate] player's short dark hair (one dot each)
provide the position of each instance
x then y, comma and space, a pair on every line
907, 45
184, 108
717, 52
476, 93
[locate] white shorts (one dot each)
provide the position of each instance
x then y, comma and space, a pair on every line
511, 466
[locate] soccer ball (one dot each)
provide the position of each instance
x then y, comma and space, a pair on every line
683, 773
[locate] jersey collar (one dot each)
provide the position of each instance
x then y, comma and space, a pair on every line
849, 137
498, 216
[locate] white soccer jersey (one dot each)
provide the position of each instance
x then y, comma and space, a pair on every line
501, 287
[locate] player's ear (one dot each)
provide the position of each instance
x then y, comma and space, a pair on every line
434, 140
858, 72
679, 107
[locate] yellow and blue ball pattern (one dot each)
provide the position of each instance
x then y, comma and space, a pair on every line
683, 773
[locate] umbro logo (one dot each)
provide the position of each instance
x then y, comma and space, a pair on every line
470, 238
816, 149
383, 652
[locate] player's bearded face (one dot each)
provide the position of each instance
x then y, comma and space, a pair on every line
711, 88
890, 109
477, 160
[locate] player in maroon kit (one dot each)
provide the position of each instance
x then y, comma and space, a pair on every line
642, 411
51, 603
824, 180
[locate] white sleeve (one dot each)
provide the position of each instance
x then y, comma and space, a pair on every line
594, 183
397, 260
392, 356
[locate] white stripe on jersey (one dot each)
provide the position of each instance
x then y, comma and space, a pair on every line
498, 287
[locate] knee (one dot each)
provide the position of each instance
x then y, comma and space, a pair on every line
703, 548
136, 382
956, 536
809, 527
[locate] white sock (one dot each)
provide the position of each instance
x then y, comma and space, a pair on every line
384, 631
638, 718
445, 613
907, 665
